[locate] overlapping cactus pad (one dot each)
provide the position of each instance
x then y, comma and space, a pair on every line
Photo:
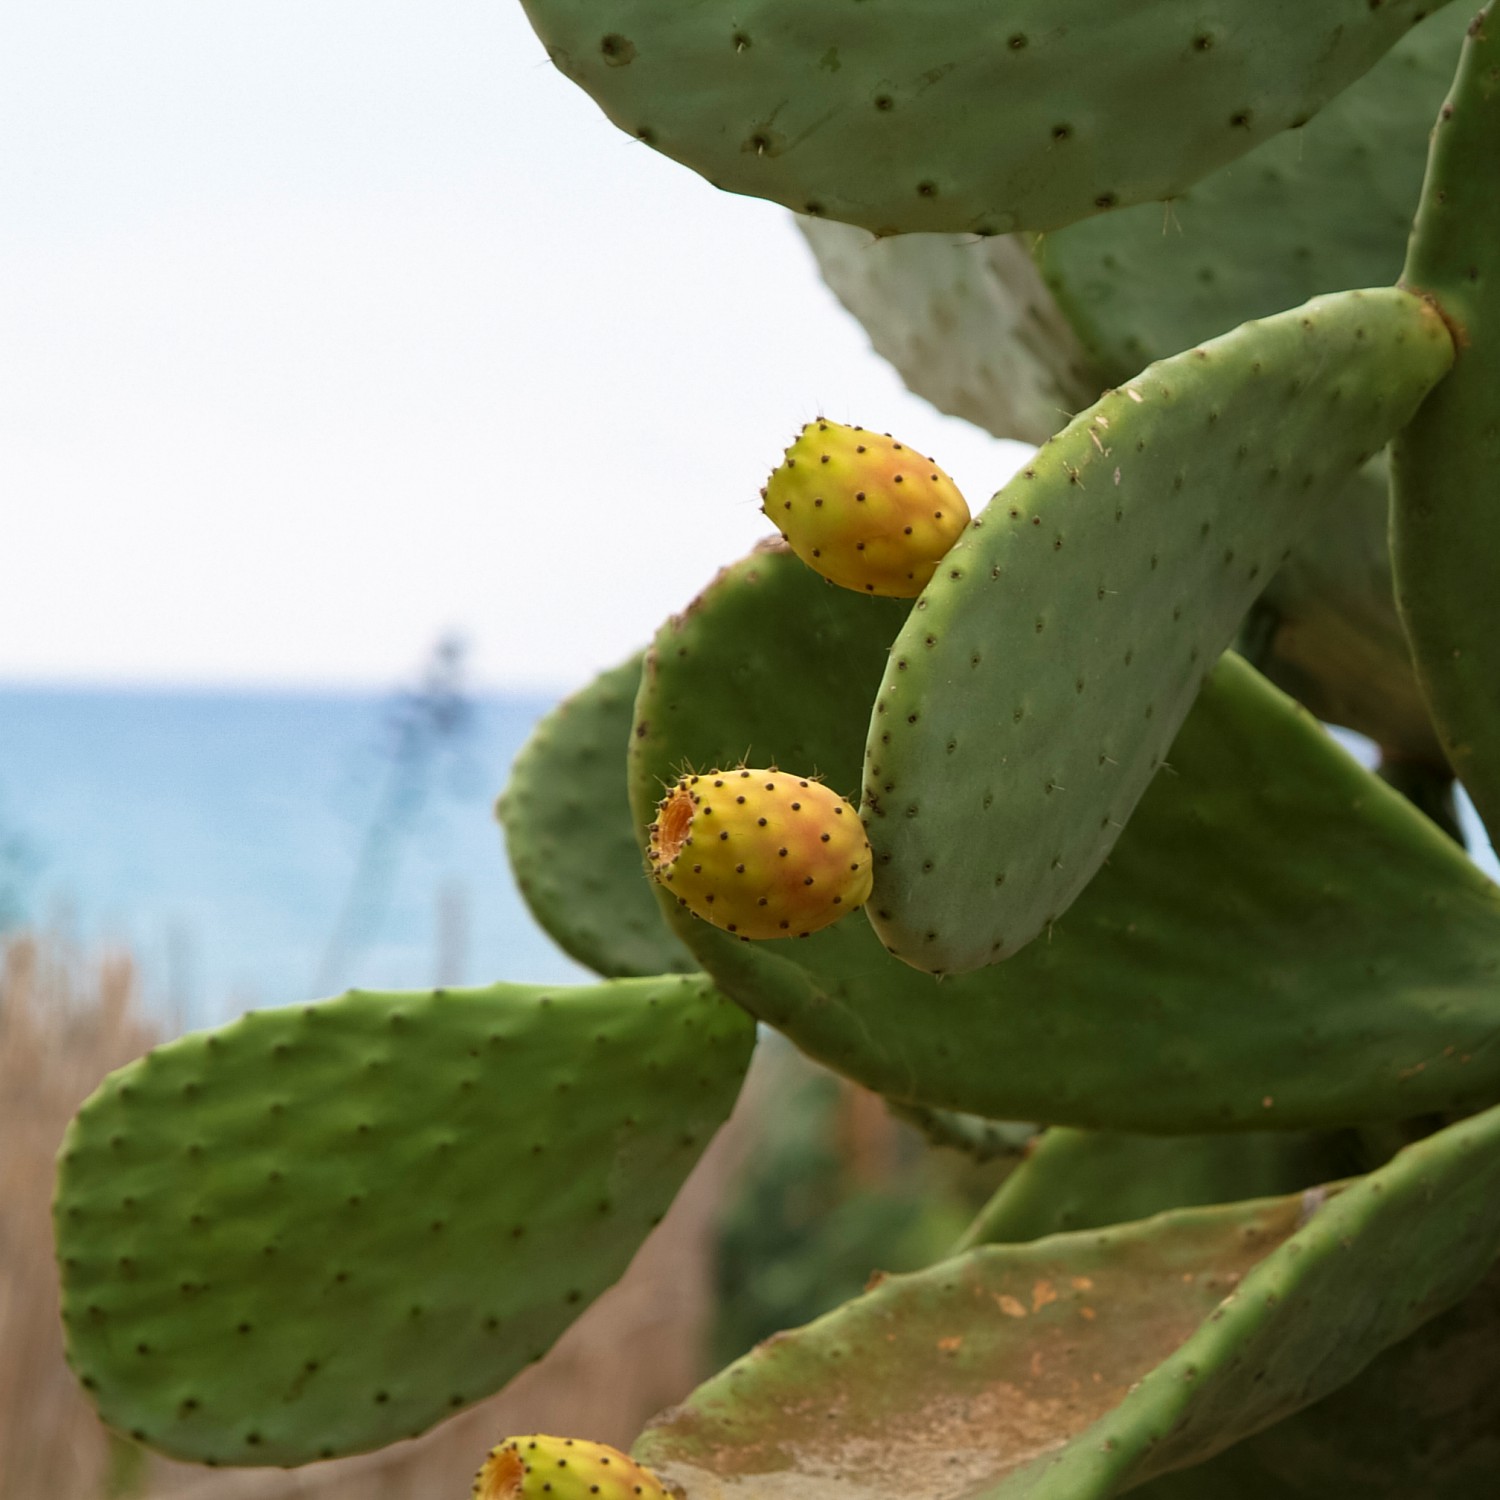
1445, 533
321, 1229
1277, 941
1315, 210
571, 841
955, 116
968, 324
1080, 1365
1037, 685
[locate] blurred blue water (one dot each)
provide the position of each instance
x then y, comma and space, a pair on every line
219, 836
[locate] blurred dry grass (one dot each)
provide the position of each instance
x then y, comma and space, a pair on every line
64, 1023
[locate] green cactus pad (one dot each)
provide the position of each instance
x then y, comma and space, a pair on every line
568, 831
957, 117
968, 324
1327, 632
1278, 942
1080, 1365
1044, 671
317, 1230
1087, 1179
1423, 1419
1444, 534
1315, 210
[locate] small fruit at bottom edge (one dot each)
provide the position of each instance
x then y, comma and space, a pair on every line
563, 1469
863, 510
762, 854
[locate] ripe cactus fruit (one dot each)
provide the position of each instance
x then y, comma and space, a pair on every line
565, 1469
761, 854
865, 511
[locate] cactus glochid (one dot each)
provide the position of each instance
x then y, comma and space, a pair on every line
527, 1468
863, 510
760, 853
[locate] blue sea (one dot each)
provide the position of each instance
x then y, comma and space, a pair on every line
260, 848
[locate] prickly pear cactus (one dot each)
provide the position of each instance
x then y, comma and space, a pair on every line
1446, 462
1109, 890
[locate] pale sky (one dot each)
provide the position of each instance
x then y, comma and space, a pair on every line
327, 327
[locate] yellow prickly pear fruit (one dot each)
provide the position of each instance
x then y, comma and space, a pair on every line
760, 853
521, 1468
863, 510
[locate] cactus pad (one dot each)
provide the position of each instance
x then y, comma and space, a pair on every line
956, 117
760, 853
572, 845
1080, 1365
968, 324
865, 511
320, 1229
1314, 210
1204, 981
1037, 685
1444, 534
1327, 632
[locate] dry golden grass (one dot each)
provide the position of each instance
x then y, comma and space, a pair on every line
63, 1026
